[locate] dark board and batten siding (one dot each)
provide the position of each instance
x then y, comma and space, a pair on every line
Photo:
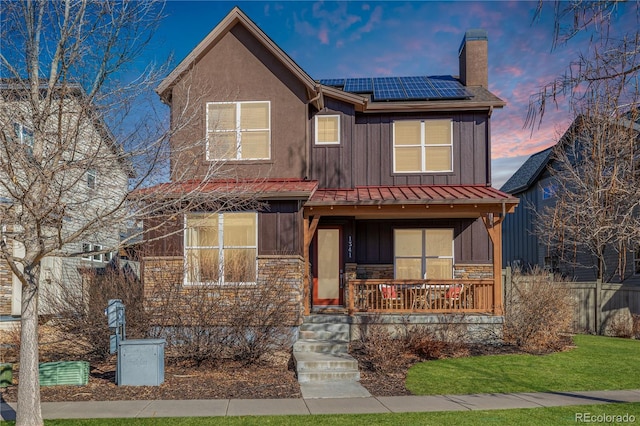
365, 154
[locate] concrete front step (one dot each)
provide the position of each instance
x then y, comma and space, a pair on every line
328, 376
327, 319
324, 335
321, 346
315, 367
316, 361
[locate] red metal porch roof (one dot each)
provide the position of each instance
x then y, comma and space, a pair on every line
410, 194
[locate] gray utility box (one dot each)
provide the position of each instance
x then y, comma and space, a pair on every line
140, 362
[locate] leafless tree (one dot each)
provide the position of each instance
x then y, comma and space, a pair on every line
595, 164
75, 143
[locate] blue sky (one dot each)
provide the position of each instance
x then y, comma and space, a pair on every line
397, 38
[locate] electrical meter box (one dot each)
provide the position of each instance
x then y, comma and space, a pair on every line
141, 362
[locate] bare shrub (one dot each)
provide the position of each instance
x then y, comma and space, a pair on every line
620, 324
385, 348
538, 311
215, 321
636, 326
80, 310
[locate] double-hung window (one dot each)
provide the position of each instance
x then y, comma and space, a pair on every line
220, 247
327, 130
238, 131
423, 254
422, 146
92, 177
25, 136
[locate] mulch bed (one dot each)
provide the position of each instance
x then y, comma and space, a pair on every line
273, 378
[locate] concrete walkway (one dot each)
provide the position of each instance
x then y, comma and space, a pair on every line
259, 407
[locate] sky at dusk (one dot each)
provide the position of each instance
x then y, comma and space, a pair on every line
395, 38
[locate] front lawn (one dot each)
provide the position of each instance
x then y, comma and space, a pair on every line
597, 363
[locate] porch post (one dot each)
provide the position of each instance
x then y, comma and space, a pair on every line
494, 229
309, 232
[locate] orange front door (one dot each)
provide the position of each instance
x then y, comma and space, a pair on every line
327, 270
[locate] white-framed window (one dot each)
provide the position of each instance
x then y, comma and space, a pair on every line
423, 253
220, 247
549, 191
92, 178
422, 146
91, 253
327, 130
239, 130
24, 136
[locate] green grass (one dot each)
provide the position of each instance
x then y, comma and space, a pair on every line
597, 363
526, 416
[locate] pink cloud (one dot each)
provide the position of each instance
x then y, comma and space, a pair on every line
323, 36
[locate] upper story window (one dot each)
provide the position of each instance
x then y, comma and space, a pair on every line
24, 135
549, 191
238, 131
423, 254
636, 261
327, 130
91, 252
92, 177
220, 247
422, 146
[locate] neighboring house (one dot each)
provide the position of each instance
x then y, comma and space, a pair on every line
537, 187
364, 182
87, 190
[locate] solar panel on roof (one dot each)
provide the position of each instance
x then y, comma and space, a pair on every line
388, 89
418, 88
448, 87
358, 85
336, 82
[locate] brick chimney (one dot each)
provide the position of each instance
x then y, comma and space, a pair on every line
473, 59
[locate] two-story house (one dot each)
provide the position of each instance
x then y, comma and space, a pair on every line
375, 192
88, 178
536, 183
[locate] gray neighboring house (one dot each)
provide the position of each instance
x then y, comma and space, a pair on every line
536, 187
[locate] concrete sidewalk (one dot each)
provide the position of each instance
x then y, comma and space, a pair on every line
260, 407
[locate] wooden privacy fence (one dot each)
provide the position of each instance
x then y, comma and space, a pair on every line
597, 305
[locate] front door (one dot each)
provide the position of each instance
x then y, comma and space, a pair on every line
327, 269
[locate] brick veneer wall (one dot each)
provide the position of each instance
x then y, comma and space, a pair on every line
6, 285
163, 277
385, 271
473, 271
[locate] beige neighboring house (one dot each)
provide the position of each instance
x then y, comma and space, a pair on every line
95, 181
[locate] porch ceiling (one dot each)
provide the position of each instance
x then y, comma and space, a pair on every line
428, 201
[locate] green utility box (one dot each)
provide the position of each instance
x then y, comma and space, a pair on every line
64, 373
6, 374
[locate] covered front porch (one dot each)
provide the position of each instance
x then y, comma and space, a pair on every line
376, 231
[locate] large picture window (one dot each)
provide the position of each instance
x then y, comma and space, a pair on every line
423, 254
220, 247
238, 131
422, 146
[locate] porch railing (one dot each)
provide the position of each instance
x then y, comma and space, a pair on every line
420, 296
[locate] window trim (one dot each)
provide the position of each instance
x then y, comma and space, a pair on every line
423, 256
423, 146
92, 173
237, 130
339, 118
220, 247
88, 255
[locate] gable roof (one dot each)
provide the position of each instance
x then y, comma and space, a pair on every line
235, 17
527, 174
478, 98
